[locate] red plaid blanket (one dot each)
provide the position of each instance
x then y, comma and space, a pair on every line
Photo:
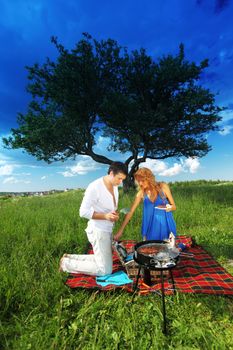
197, 274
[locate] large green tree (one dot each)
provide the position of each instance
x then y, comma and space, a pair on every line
148, 108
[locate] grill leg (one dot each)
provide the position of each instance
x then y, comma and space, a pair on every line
163, 304
136, 284
173, 282
147, 276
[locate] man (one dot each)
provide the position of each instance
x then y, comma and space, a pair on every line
99, 206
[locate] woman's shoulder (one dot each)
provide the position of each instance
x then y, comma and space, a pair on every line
140, 194
162, 183
163, 186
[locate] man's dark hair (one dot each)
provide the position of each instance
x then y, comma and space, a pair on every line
118, 167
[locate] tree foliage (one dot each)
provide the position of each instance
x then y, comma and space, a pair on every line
148, 108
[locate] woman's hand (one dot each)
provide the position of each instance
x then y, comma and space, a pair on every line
168, 207
118, 235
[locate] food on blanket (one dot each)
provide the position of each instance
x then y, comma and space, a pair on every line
163, 206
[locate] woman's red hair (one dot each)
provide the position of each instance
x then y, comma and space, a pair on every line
146, 174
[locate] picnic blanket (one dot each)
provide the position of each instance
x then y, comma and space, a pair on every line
200, 273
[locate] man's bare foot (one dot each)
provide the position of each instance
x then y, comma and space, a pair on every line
60, 265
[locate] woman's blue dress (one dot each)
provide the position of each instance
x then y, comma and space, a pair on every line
156, 223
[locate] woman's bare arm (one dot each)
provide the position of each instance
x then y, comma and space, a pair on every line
128, 216
166, 190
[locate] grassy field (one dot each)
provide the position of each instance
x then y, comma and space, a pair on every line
37, 311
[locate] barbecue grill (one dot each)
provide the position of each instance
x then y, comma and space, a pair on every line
156, 255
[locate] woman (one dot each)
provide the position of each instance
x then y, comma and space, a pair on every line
158, 203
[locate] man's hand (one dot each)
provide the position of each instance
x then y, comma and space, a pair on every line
113, 216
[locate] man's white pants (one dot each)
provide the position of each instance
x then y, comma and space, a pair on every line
97, 264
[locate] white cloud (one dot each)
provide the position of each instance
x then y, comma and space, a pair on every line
162, 168
222, 55
3, 157
156, 166
172, 171
13, 180
227, 118
226, 115
6, 170
22, 174
67, 173
81, 168
102, 143
43, 177
226, 130
192, 164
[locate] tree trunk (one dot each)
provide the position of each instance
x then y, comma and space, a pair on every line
128, 184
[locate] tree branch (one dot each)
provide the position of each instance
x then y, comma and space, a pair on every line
98, 158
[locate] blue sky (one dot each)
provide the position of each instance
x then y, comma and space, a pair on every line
204, 26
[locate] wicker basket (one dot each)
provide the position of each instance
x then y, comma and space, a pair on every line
131, 268
132, 271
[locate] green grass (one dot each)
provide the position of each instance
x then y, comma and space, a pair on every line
37, 311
